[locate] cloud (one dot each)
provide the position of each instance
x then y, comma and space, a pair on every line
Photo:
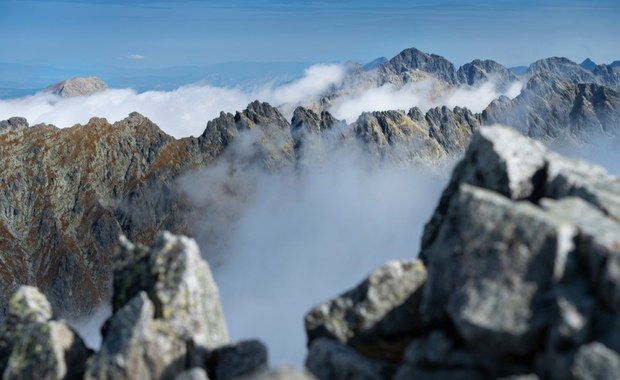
185, 111
180, 113
135, 57
286, 241
424, 94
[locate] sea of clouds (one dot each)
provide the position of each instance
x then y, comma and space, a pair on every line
185, 111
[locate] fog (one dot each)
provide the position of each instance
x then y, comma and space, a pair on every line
299, 236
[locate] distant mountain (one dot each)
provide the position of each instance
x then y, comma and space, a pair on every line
615, 64
562, 67
518, 70
588, 64
375, 63
478, 71
80, 86
413, 59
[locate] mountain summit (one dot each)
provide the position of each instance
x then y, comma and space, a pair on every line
79, 86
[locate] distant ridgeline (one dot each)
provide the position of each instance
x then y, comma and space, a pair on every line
67, 194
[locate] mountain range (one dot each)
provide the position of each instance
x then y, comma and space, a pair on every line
68, 193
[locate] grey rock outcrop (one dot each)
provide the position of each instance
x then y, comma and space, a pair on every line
13, 124
167, 323
32, 345
167, 313
365, 317
238, 360
79, 86
521, 257
416, 136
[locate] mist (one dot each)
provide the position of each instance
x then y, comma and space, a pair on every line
423, 94
287, 240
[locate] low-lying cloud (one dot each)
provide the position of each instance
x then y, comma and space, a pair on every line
288, 240
186, 110
423, 94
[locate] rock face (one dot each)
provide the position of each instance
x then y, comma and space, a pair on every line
400, 67
551, 108
521, 259
80, 86
167, 313
13, 124
34, 346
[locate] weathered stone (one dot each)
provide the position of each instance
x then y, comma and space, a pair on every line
280, 373
169, 317
438, 350
594, 361
239, 359
33, 346
376, 315
192, 374
509, 254
407, 372
331, 360
13, 124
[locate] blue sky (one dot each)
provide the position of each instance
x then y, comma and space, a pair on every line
138, 33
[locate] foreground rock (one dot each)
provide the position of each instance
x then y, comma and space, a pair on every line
167, 323
167, 313
521, 259
32, 345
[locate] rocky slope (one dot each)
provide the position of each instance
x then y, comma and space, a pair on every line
79, 86
517, 277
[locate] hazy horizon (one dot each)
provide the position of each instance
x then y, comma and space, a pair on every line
50, 40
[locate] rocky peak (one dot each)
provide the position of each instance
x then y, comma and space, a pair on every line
564, 68
588, 64
79, 86
480, 71
414, 59
260, 114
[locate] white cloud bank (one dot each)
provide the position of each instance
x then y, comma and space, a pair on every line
420, 94
186, 110
298, 237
